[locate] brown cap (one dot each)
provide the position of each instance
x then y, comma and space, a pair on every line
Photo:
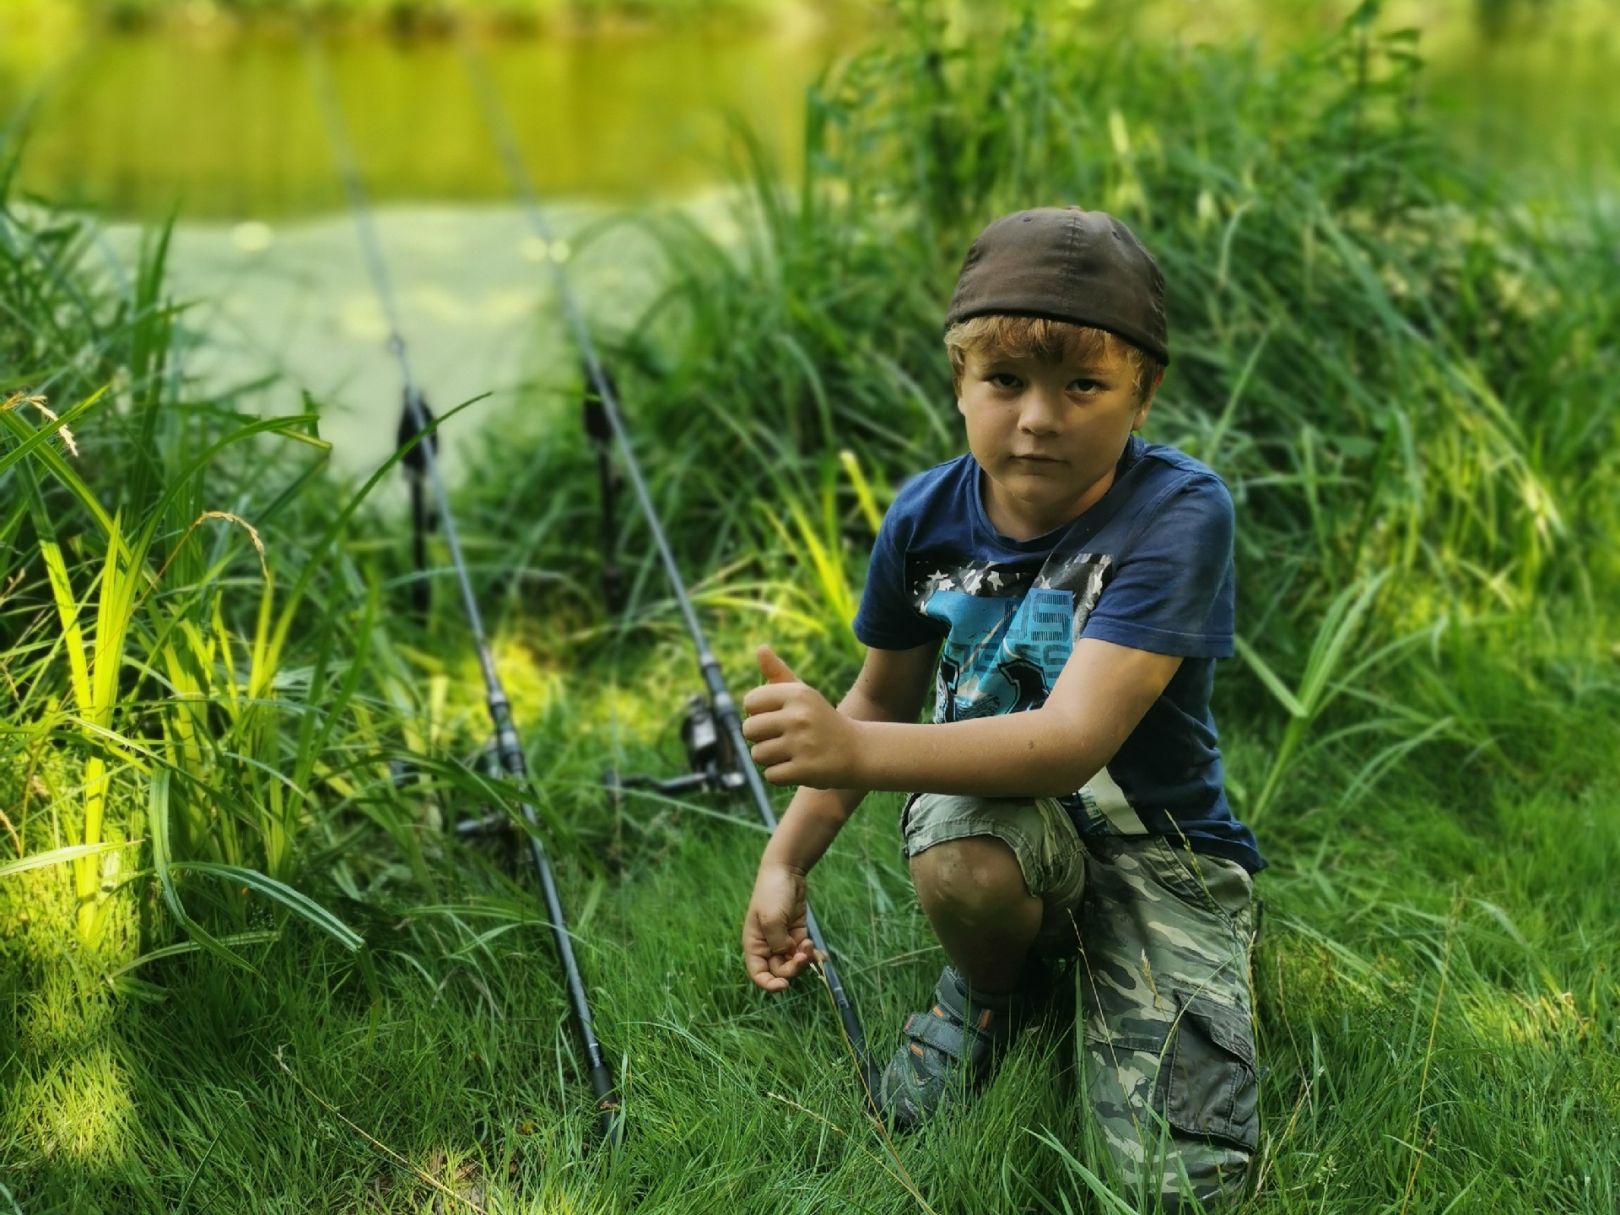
1070, 265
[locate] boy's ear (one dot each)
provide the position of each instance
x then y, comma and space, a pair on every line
1147, 402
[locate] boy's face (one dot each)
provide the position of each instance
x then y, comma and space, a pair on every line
1047, 434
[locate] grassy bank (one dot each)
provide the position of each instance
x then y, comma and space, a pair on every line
245, 969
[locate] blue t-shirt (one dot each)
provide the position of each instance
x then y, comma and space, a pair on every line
1148, 566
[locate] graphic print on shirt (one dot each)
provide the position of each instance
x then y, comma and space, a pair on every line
1009, 628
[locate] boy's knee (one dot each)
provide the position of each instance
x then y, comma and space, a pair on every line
973, 878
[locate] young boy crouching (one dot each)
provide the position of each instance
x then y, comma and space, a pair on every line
1067, 588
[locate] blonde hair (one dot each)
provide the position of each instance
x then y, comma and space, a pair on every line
1020, 337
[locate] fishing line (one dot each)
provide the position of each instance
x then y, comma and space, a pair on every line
725, 708
507, 745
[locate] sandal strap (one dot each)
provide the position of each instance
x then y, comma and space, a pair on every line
950, 993
947, 1037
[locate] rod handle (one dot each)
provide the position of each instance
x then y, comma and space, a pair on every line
846, 1010
609, 1114
857, 1038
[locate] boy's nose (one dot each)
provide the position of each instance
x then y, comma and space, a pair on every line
1038, 412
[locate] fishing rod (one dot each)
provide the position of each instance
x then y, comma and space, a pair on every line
601, 437
414, 435
601, 386
508, 747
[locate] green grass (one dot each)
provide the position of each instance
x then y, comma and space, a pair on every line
1402, 370
1436, 986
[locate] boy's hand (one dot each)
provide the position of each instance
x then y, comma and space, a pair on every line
776, 944
799, 739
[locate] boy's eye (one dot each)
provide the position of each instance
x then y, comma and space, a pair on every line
1003, 379
1085, 385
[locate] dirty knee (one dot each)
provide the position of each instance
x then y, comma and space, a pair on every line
973, 878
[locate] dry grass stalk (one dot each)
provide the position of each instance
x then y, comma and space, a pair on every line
38, 402
253, 535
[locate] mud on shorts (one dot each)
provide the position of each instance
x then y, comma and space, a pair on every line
1163, 937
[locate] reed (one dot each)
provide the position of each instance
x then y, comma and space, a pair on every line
144, 637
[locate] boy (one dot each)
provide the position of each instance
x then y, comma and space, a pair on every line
1068, 587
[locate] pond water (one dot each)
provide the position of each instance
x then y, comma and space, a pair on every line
228, 126
225, 129
222, 124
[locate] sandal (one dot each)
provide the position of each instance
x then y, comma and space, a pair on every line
949, 1051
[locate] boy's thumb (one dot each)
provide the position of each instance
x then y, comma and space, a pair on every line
773, 668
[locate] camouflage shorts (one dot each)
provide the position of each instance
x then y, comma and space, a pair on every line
1162, 935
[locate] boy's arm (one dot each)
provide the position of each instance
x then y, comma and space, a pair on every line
1099, 698
890, 688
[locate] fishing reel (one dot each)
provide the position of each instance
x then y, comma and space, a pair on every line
709, 754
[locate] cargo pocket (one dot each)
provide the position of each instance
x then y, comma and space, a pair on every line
1175, 870
1210, 1085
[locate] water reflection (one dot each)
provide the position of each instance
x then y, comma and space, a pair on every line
221, 123
228, 126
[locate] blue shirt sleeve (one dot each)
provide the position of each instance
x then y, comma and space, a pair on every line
887, 619
1173, 591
